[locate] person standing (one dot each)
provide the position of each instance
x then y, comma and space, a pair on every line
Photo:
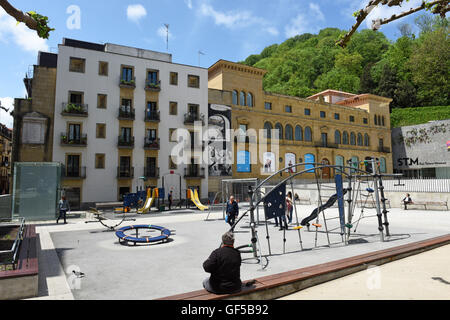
63, 207
289, 206
170, 197
232, 211
224, 265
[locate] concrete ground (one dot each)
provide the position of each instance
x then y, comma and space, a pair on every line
114, 271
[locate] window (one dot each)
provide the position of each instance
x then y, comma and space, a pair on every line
324, 139
249, 100
288, 109
289, 132
125, 166
242, 98
242, 132
173, 108
102, 68
279, 127
74, 133
307, 112
365, 121
125, 135
235, 97
381, 143
379, 120
336, 116
174, 78
101, 131
360, 139
345, 137
366, 140
339, 161
172, 136
151, 135
337, 137
99, 161
150, 168
268, 130
152, 77
73, 165
382, 121
101, 101
127, 74
322, 114
76, 97
352, 118
193, 81
383, 165
308, 134
298, 133
352, 139
172, 164
354, 163
77, 65
267, 105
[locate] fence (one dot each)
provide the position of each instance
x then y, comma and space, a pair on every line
417, 185
5, 206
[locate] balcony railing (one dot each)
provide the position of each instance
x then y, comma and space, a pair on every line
127, 83
323, 144
74, 109
151, 85
194, 172
152, 116
384, 149
125, 142
80, 141
151, 172
126, 114
191, 117
73, 173
245, 139
125, 172
151, 144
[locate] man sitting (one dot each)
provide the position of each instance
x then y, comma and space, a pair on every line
407, 200
224, 264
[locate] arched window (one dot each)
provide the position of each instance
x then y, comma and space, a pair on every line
298, 133
242, 98
279, 127
382, 121
308, 134
355, 163
360, 139
375, 119
339, 161
366, 140
379, 120
249, 99
289, 132
383, 165
235, 97
268, 130
353, 139
337, 137
345, 138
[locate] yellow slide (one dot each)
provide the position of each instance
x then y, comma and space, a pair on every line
193, 196
149, 201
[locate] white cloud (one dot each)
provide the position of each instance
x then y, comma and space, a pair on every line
136, 12
236, 19
298, 25
20, 34
188, 3
315, 9
381, 12
162, 32
5, 117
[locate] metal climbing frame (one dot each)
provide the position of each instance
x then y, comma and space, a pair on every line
239, 189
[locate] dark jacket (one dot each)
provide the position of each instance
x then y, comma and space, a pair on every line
224, 264
233, 208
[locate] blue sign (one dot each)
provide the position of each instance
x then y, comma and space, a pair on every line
309, 158
243, 161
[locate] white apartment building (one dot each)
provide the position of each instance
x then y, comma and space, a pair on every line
115, 110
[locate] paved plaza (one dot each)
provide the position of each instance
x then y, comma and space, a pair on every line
115, 271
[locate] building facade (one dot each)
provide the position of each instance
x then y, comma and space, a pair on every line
5, 159
422, 151
331, 127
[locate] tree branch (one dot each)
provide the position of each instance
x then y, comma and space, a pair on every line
19, 15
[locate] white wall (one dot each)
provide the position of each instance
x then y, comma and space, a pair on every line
101, 184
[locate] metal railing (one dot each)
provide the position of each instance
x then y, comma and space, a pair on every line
75, 109
125, 172
151, 144
151, 172
73, 173
127, 83
9, 256
80, 141
191, 117
125, 142
152, 116
194, 171
126, 114
384, 149
431, 185
151, 85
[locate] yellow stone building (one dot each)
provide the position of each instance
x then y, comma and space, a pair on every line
330, 127
5, 159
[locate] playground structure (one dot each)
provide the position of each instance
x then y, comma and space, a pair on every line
139, 239
346, 188
150, 199
192, 195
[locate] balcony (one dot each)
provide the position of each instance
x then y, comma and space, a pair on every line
245, 139
193, 146
384, 149
74, 110
128, 83
152, 116
125, 172
191, 117
126, 113
151, 144
323, 144
151, 172
194, 171
78, 173
154, 86
125, 142
78, 142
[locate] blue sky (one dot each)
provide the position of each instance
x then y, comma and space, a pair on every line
230, 30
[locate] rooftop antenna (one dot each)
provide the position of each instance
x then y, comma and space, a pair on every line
167, 36
200, 54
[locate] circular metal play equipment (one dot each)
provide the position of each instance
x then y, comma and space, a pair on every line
126, 239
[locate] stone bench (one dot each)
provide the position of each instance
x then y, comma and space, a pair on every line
427, 204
